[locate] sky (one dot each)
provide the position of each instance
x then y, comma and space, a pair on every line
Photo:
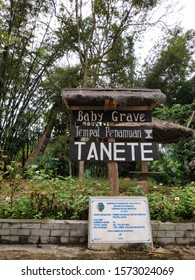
188, 14
182, 14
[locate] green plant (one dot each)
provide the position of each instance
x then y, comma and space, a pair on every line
13, 175
43, 197
161, 207
185, 203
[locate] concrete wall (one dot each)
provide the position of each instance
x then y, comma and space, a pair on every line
43, 232
173, 233
76, 232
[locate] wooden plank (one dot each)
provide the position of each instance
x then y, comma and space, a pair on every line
113, 175
144, 167
141, 172
128, 132
110, 104
119, 108
113, 151
133, 108
111, 116
66, 103
77, 108
155, 103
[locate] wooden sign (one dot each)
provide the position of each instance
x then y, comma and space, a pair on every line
113, 151
132, 132
112, 116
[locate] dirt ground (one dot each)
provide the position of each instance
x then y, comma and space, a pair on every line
54, 252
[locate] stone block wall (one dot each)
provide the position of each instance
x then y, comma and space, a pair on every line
43, 232
76, 232
173, 233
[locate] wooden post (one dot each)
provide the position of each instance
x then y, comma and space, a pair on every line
82, 163
110, 104
144, 179
144, 168
81, 169
113, 177
113, 174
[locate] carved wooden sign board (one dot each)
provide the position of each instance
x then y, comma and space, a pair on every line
129, 132
111, 116
113, 151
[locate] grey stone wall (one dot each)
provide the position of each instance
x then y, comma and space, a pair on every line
76, 232
43, 232
173, 233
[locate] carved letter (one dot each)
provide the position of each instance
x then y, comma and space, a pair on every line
129, 117
100, 116
114, 118
143, 152
142, 118
80, 116
132, 150
92, 152
103, 150
79, 148
116, 151
93, 116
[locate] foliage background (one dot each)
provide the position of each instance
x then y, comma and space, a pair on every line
45, 197
46, 46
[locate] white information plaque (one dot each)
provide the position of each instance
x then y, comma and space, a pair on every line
119, 220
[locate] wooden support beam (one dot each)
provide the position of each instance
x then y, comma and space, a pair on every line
66, 103
153, 105
112, 165
77, 108
113, 173
133, 108
110, 104
144, 167
113, 177
118, 108
144, 180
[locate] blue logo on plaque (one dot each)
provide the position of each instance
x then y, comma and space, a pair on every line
100, 206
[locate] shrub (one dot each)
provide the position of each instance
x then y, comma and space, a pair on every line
44, 197
185, 203
161, 207
49, 198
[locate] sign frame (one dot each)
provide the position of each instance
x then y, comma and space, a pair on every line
124, 132
116, 116
113, 151
115, 220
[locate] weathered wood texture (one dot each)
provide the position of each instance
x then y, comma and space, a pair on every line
112, 98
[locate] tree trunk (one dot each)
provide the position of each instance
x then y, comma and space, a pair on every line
44, 139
